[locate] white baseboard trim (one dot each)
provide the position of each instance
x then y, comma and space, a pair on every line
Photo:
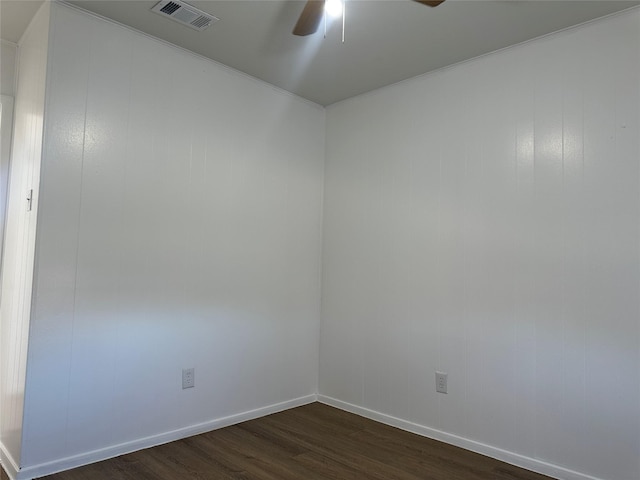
506, 456
8, 463
67, 463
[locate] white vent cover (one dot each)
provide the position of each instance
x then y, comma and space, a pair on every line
184, 13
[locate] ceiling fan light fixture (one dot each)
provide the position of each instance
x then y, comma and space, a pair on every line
334, 8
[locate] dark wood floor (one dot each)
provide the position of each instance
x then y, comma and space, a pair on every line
305, 443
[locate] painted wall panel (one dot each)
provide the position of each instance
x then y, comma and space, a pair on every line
180, 227
6, 135
20, 233
483, 220
8, 55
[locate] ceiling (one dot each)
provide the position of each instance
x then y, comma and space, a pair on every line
15, 16
386, 41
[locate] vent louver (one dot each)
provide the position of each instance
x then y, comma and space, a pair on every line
185, 14
169, 8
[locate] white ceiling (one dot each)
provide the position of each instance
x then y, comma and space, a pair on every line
15, 16
386, 41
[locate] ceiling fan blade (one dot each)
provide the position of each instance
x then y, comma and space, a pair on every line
431, 3
309, 18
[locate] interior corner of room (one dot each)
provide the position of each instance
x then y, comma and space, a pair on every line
186, 246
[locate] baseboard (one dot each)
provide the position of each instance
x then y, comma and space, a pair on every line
506, 456
8, 463
113, 451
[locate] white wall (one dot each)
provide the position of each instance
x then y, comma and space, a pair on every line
8, 56
20, 236
179, 227
483, 221
6, 133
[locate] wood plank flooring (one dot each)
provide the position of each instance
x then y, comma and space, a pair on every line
306, 443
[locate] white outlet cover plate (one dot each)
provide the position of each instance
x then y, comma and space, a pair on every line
441, 382
188, 378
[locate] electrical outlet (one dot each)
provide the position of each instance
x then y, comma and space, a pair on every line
188, 378
441, 382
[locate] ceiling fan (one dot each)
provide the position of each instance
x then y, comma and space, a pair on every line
314, 9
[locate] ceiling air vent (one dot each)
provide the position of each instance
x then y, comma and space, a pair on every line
184, 13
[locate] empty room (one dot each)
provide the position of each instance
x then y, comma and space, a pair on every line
290, 239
